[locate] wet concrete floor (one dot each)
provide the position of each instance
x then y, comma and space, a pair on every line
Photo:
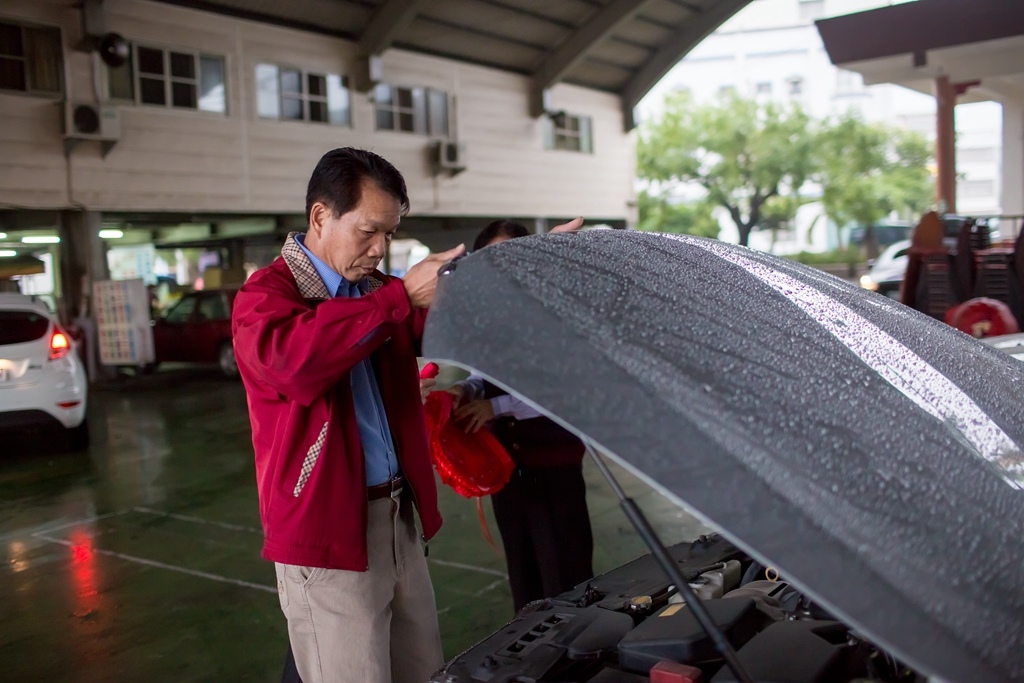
139, 559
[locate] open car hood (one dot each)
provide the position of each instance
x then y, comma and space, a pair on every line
870, 453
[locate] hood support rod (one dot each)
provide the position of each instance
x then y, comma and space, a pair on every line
668, 565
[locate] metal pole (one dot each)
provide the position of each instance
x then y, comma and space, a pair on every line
657, 548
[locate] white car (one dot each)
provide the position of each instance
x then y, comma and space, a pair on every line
42, 382
886, 273
1012, 344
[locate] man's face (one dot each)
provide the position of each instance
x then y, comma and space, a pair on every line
354, 243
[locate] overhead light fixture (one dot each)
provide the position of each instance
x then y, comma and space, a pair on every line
3, 235
7, 253
41, 239
111, 234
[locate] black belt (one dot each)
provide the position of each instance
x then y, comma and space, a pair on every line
385, 490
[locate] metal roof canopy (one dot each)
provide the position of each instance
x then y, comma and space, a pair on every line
914, 43
618, 46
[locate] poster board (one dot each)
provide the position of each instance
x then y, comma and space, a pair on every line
125, 335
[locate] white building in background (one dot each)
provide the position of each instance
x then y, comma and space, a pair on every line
202, 135
772, 50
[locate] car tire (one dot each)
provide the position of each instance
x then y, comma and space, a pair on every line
226, 360
78, 437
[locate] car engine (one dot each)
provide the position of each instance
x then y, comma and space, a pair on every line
619, 626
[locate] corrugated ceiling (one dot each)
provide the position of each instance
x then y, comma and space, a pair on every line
620, 46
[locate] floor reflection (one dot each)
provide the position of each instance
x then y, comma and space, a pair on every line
92, 586
83, 571
137, 445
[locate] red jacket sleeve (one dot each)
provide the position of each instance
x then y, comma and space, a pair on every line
302, 351
419, 321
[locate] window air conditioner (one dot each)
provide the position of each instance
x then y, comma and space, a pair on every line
87, 121
450, 156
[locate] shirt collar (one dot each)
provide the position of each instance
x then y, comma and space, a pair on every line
332, 279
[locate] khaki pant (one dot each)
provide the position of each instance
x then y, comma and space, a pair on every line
378, 626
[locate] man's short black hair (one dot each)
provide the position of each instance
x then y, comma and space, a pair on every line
338, 177
501, 228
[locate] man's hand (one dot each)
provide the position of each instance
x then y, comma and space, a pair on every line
426, 386
421, 280
475, 414
572, 226
458, 393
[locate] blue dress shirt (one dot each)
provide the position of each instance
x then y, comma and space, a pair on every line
378, 447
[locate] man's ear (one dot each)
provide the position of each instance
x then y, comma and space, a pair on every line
317, 215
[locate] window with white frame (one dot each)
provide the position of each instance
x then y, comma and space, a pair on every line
423, 111
290, 94
795, 85
568, 132
975, 155
177, 79
976, 188
848, 82
30, 59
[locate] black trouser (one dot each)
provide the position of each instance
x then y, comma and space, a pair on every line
545, 529
291, 673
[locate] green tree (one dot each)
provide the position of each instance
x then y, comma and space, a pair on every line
743, 153
657, 214
779, 213
867, 171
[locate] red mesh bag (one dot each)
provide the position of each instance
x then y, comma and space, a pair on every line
982, 318
472, 464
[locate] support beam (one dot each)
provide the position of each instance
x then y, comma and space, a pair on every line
569, 53
1012, 199
82, 256
83, 259
674, 49
390, 19
945, 144
628, 115
946, 94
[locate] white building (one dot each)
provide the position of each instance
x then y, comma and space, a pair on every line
771, 49
205, 137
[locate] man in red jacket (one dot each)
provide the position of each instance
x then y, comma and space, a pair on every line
326, 346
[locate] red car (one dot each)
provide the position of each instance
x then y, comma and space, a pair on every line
197, 329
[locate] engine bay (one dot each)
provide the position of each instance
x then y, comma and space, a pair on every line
620, 625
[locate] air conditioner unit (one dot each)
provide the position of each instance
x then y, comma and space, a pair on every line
88, 121
450, 156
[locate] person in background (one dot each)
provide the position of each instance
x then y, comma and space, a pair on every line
326, 347
542, 511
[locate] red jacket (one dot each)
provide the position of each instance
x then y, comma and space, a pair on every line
295, 347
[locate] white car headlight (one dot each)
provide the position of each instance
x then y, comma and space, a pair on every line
867, 283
